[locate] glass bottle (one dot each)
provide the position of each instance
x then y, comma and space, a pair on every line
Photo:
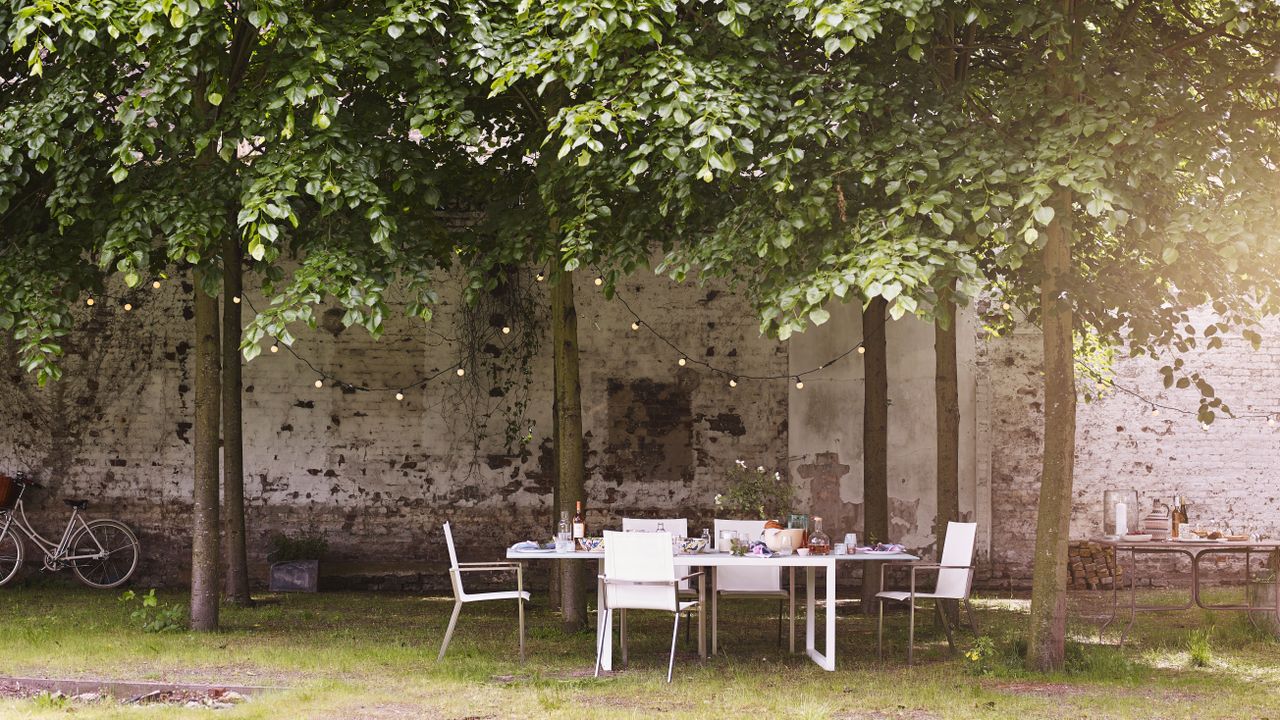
661, 527
579, 523
564, 536
819, 542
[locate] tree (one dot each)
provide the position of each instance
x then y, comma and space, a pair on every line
153, 132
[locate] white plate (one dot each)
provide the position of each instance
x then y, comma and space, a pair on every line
1136, 537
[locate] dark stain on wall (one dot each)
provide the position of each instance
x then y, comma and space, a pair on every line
824, 475
650, 431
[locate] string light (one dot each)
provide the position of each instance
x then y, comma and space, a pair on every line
320, 383
275, 348
461, 372
599, 281
682, 362
733, 382
128, 307
1271, 420
1005, 306
1154, 411
89, 302
862, 350
400, 395
155, 284
236, 299
799, 383
539, 277
506, 329
635, 325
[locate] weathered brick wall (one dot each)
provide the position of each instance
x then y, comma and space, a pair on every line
375, 475
1227, 472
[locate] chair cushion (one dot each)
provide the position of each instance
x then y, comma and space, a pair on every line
503, 595
686, 605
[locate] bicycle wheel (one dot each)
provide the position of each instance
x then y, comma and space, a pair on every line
112, 552
10, 555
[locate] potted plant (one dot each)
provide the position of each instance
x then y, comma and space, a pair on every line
757, 494
295, 561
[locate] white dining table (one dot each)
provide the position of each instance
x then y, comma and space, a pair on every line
825, 658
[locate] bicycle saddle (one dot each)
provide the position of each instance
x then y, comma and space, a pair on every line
77, 504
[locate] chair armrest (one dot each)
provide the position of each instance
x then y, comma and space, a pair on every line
654, 583
488, 567
691, 576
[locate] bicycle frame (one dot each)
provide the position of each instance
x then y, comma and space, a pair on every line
53, 552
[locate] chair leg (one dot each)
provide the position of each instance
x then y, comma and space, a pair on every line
911, 633
688, 629
521, 601
675, 634
601, 610
781, 610
448, 634
622, 631
880, 631
973, 619
946, 625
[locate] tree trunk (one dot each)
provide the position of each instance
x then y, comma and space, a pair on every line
1046, 639
946, 391
570, 468
237, 555
875, 442
205, 561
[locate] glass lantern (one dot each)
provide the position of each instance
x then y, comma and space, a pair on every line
1120, 513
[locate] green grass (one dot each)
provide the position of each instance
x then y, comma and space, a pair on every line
372, 655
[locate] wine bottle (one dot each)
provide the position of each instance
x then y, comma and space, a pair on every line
579, 523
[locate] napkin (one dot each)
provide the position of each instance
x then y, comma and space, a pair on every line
525, 546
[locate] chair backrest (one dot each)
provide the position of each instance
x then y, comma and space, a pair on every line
746, 579
957, 552
678, 527
639, 557
455, 577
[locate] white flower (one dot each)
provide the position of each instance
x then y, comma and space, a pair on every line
777, 475
719, 499
740, 463
759, 468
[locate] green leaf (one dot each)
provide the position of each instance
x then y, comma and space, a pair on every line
818, 316
1044, 214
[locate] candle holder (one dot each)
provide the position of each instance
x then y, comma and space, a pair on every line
1119, 513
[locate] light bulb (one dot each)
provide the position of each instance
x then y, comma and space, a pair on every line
275, 347
862, 350
89, 302
539, 277
400, 396
461, 372
1271, 420
682, 362
1005, 306
635, 325
599, 281
320, 383
1154, 411
799, 384
155, 284
733, 382
1204, 427
506, 330
128, 307
236, 299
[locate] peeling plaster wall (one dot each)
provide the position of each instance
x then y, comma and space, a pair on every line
378, 476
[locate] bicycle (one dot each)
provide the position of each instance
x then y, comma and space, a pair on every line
102, 553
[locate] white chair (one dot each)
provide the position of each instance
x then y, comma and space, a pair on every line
746, 582
640, 574
462, 597
675, 526
955, 580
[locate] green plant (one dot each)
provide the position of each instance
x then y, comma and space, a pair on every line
52, 701
981, 656
152, 616
309, 545
1201, 648
755, 493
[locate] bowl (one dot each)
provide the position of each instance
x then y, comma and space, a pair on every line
590, 544
773, 538
689, 546
802, 552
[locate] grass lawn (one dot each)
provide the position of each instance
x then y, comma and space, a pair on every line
357, 655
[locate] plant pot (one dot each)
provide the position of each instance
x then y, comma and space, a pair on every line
295, 576
1263, 594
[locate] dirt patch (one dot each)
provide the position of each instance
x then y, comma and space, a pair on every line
1041, 689
217, 698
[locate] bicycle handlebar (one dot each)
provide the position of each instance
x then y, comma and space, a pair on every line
22, 479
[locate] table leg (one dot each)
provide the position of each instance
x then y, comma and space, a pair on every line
604, 625
791, 598
702, 616
810, 606
1133, 595
715, 613
831, 616
826, 660
1115, 600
